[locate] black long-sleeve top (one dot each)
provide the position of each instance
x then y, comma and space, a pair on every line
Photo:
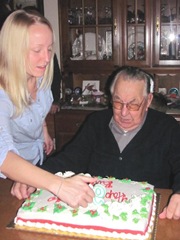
55, 87
153, 155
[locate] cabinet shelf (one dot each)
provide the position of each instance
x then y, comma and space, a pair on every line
85, 66
90, 26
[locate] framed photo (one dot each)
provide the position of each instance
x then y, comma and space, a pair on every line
20, 4
88, 86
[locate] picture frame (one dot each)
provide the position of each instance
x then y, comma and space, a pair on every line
20, 4
88, 86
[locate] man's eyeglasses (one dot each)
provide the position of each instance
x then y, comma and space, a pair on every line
130, 106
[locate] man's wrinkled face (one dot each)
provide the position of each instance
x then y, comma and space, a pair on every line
130, 103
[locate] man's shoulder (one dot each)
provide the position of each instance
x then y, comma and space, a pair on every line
101, 114
161, 117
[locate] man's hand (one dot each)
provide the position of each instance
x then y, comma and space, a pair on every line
172, 211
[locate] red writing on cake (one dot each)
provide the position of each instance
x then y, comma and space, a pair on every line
53, 199
119, 196
106, 184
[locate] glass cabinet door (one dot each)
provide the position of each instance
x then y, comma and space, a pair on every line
137, 32
90, 29
167, 36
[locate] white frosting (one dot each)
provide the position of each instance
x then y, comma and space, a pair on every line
127, 206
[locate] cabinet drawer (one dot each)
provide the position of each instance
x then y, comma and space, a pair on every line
67, 123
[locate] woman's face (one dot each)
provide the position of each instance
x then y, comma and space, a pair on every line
40, 49
130, 92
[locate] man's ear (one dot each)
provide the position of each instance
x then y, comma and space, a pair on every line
150, 98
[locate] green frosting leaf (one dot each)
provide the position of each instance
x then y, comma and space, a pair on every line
144, 200
125, 180
135, 212
35, 194
92, 213
123, 216
111, 178
106, 209
144, 213
74, 212
58, 208
99, 177
28, 206
148, 190
42, 209
135, 220
115, 217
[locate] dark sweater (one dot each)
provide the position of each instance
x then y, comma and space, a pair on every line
153, 155
55, 87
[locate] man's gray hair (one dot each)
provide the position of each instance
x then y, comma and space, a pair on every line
130, 73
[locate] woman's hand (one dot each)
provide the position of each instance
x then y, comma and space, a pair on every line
48, 142
21, 191
75, 191
54, 108
172, 211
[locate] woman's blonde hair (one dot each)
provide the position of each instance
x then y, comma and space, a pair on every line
14, 42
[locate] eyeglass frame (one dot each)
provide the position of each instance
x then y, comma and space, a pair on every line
128, 105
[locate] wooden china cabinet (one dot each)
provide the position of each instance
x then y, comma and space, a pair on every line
97, 36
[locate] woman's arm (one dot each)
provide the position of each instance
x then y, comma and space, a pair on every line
75, 190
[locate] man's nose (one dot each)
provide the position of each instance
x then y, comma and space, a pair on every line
124, 109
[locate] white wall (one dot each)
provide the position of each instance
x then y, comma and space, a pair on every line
51, 13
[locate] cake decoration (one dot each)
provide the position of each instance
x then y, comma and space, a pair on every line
100, 192
121, 209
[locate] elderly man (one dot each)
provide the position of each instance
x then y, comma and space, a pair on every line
128, 141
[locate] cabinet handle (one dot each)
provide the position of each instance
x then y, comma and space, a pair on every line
157, 26
115, 27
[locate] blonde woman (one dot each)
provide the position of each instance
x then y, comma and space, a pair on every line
26, 70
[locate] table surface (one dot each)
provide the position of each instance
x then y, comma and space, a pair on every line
166, 229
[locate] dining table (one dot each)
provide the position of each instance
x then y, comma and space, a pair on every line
165, 229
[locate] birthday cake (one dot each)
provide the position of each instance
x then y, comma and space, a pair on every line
121, 209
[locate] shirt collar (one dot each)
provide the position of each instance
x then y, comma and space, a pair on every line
112, 124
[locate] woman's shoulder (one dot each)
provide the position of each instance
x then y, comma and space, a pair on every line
5, 102
3, 94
